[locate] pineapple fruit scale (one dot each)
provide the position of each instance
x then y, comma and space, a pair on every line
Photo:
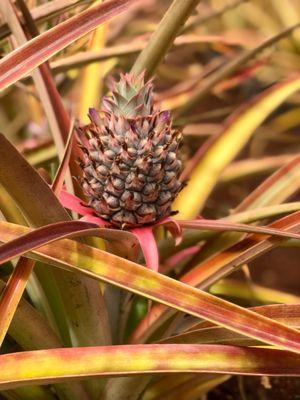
130, 157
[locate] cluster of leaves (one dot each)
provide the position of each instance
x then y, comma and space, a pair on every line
63, 334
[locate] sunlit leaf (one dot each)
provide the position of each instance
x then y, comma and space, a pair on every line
44, 366
217, 153
242, 290
206, 333
216, 267
278, 186
126, 274
218, 225
163, 37
38, 50
41, 207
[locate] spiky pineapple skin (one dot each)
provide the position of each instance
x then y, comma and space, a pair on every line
130, 165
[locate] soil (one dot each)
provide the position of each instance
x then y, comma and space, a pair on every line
257, 388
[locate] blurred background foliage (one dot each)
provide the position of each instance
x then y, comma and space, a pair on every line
218, 34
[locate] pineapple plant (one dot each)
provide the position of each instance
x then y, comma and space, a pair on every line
130, 164
67, 328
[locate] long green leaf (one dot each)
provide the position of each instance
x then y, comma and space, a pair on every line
96, 263
275, 189
48, 366
164, 36
29, 393
192, 237
206, 333
216, 267
32, 332
12, 293
61, 230
41, 207
47, 11
57, 117
185, 386
38, 50
281, 184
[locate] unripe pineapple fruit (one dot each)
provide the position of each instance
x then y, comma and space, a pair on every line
130, 164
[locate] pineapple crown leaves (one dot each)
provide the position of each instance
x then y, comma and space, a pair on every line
130, 97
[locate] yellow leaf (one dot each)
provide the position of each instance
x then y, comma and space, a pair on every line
227, 145
93, 74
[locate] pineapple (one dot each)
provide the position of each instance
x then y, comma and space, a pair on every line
130, 164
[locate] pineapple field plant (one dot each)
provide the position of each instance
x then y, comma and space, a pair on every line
149, 198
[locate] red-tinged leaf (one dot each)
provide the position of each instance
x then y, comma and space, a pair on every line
38, 50
245, 290
277, 188
43, 235
270, 184
60, 230
12, 293
17, 176
31, 331
173, 227
179, 257
93, 219
208, 333
221, 264
12, 164
148, 245
219, 225
16, 285
57, 117
78, 296
125, 239
46, 11
144, 235
74, 203
74, 256
218, 242
288, 314
59, 178
215, 268
49, 366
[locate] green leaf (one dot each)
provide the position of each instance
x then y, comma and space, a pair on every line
83, 303
216, 267
48, 366
207, 333
163, 37
96, 263
38, 50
